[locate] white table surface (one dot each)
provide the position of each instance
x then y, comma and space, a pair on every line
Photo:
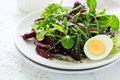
14, 67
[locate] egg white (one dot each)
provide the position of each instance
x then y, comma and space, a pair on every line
108, 43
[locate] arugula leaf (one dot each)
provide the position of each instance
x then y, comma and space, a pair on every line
65, 23
67, 42
104, 20
102, 13
79, 43
92, 4
82, 32
115, 48
109, 20
115, 40
53, 9
35, 27
40, 34
58, 27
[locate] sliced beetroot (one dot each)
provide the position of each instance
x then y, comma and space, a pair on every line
48, 41
42, 53
59, 50
74, 55
62, 50
32, 34
42, 46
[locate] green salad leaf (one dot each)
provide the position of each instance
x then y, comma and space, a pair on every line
58, 27
67, 42
40, 34
92, 4
102, 12
72, 28
114, 22
104, 21
53, 9
109, 20
65, 23
116, 46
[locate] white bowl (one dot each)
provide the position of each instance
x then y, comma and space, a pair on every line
32, 5
116, 1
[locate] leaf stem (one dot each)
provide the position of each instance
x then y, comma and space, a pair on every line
85, 36
54, 45
76, 8
98, 27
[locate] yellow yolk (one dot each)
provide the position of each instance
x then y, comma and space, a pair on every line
96, 47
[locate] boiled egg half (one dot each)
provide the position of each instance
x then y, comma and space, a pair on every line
98, 47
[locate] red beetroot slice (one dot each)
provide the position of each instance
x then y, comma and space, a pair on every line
42, 46
74, 55
29, 35
42, 53
48, 40
58, 49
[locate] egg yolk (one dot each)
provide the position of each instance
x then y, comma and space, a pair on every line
96, 47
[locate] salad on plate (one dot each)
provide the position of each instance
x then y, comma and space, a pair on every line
74, 34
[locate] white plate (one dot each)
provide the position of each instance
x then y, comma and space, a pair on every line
28, 49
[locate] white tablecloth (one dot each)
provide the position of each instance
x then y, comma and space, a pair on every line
14, 67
